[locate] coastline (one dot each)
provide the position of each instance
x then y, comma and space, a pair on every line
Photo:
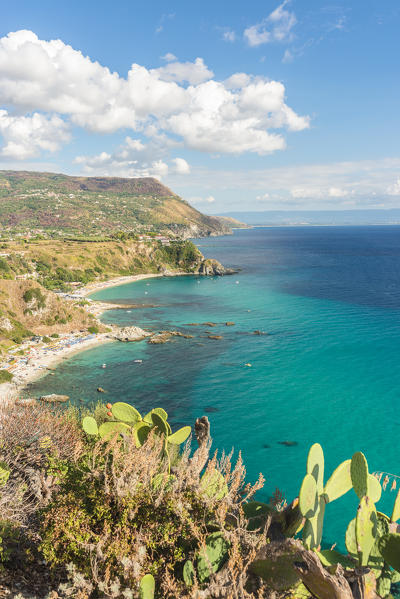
43, 358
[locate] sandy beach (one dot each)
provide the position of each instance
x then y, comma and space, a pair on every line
39, 358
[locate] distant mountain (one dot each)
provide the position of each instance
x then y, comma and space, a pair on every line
318, 217
51, 202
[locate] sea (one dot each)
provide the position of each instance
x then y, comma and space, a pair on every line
313, 355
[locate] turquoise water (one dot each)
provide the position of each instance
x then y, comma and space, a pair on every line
326, 368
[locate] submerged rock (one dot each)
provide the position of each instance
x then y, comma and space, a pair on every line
209, 324
215, 336
164, 336
101, 390
229, 323
288, 443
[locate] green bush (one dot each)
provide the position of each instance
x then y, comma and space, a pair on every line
35, 295
93, 330
5, 376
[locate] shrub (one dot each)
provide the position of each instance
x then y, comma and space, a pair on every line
46, 339
93, 330
34, 295
5, 376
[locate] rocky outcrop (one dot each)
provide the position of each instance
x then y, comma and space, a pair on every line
129, 334
210, 267
164, 336
54, 398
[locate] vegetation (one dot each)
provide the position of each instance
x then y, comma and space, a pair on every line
111, 503
5, 376
46, 204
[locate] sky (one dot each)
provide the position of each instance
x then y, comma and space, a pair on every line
236, 106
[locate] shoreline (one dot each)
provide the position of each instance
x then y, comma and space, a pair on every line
31, 367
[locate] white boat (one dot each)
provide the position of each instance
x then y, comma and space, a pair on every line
104, 365
138, 361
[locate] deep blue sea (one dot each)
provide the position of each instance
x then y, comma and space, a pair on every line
326, 368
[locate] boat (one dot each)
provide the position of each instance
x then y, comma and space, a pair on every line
138, 361
104, 365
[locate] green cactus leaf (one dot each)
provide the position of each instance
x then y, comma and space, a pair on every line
125, 412
148, 418
315, 465
384, 583
330, 557
159, 424
4, 473
213, 484
366, 529
180, 435
147, 587
374, 488
351, 542
313, 527
277, 568
107, 429
308, 497
89, 425
141, 431
359, 474
213, 556
161, 412
396, 508
256, 512
188, 573
339, 483
395, 576
389, 546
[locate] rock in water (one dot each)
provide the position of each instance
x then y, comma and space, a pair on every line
210, 267
54, 398
129, 333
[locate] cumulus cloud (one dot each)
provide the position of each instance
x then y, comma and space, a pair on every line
180, 102
132, 159
277, 27
27, 136
168, 57
181, 167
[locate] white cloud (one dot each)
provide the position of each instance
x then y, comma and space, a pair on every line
337, 192
27, 136
192, 72
394, 189
168, 57
277, 27
181, 166
229, 36
179, 103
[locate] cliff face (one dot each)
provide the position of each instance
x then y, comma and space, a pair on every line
51, 202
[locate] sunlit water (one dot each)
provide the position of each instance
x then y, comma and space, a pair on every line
326, 368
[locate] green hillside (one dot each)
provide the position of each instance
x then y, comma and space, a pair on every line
51, 203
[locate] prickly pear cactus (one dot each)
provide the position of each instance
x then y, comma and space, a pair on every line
389, 546
339, 483
4, 473
213, 484
213, 556
89, 425
315, 465
125, 412
359, 474
188, 573
147, 587
179, 436
308, 497
366, 529
396, 508
108, 429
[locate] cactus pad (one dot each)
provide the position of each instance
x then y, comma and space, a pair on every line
161, 412
276, 567
359, 474
147, 587
330, 557
396, 508
159, 424
308, 497
389, 546
315, 465
188, 573
374, 488
339, 483
141, 432
89, 425
213, 484
180, 435
108, 429
366, 529
213, 556
125, 412
4, 473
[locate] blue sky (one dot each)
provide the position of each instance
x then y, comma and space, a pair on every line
235, 106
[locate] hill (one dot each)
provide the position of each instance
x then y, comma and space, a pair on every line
53, 203
319, 217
